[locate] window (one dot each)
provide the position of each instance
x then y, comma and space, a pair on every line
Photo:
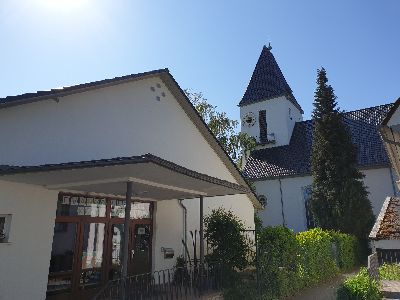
307, 203
5, 222
263, 200
81, 206
262, 118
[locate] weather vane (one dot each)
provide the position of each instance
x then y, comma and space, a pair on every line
269, 46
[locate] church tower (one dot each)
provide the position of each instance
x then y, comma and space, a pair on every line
268, 109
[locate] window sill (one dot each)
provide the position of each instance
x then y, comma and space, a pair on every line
6, 243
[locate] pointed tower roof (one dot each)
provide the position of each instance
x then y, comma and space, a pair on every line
267, 81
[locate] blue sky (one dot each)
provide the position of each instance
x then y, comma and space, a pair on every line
209, 46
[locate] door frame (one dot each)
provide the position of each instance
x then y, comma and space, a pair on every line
75, 292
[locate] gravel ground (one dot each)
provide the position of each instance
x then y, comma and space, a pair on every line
325, 291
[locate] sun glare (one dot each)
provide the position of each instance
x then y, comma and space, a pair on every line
62, 5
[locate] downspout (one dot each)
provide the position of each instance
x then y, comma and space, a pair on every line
393, 181
184, 226
283, 213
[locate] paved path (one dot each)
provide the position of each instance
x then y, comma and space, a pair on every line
324, 291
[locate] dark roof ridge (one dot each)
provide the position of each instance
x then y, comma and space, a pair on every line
352, 111
60, 91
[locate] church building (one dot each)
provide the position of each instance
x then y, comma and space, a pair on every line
280, 165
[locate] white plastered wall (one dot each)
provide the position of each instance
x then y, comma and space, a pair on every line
278, 120
123, 120
378, 181
25, 260
380, 185
387, 244
167, 233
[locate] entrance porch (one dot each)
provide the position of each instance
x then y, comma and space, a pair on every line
99, 199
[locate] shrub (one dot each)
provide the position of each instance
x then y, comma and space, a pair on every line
359, 287
278, 254
389, 272
224, 236
347, 250
316, 259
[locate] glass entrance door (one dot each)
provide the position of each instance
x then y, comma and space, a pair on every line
88, 244
141, 249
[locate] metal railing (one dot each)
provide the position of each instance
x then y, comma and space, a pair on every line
177, 283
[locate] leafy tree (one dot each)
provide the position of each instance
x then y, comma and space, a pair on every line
225, 129
339, 197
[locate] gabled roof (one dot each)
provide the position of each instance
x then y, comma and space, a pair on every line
267, 82
294, 159
387, 225
174, 88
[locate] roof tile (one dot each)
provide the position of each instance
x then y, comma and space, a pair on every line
267, 82
294, 159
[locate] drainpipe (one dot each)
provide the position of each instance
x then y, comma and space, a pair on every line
393, 181
283, 214
184, 226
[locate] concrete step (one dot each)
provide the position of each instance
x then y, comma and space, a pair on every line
390, 289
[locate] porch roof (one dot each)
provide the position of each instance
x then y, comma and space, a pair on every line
153, 178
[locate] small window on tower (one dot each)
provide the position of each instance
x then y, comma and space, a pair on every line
262, 117
290, 113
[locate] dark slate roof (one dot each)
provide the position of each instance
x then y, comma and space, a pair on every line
294, 159
146, 158
267, 82
58, 92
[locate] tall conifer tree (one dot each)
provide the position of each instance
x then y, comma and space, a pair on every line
339, 198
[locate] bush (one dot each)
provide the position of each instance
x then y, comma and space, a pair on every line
347, 250
359, 287
278, 255
224, 236
316, 260
389, 272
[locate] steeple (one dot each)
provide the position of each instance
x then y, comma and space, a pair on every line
267, 81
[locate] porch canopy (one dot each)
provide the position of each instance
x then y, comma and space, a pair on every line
145, 177
153, 178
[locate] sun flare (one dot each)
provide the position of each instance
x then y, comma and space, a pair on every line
62, 5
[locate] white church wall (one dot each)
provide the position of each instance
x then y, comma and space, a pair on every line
379, 185
378, 182
277, 116
292, 198
25, 259
271, 215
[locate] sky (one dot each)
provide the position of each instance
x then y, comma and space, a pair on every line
209, 46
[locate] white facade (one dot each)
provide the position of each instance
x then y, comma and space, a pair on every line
281, 116
119, 121
25, 259
379, 183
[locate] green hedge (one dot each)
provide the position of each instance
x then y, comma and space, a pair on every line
359, 287
348, 250
289, 262
278, 262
